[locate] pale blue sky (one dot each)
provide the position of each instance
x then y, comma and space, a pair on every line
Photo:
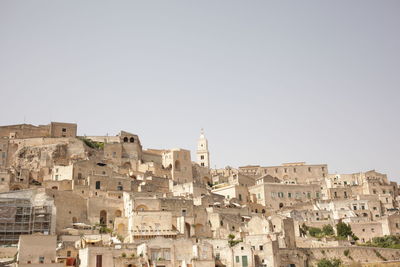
270, 82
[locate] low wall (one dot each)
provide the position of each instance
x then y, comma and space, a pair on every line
8, 252
355, 253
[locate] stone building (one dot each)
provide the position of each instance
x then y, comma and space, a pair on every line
298, 173
54, 130
37, 250
279, 195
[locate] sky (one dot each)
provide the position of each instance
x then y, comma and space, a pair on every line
269, 81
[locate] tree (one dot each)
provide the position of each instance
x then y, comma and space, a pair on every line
328, 229
303, 229
343, 230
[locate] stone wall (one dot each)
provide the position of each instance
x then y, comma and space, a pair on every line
355, 253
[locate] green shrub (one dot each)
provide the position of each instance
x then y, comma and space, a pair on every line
315, 232
231, 240
329, 263
105, 230
328, 229
92, 144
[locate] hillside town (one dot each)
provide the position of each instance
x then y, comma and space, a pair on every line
99, 201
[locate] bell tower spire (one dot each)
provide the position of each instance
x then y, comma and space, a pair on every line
203, 155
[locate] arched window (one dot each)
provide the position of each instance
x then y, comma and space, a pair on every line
132, 140
125, 139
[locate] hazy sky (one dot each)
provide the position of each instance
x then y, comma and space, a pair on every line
270, 82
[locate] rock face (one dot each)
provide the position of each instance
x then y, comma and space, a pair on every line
39, 155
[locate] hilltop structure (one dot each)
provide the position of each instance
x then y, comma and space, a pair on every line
99, 201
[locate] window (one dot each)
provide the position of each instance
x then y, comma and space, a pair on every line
41, 259
285, 170
309, 194
97, 184
64, 130
259, 196
289, 195
280, 194
202, 164
317, 194
183, 212
217, 256
354, 207
241, 248
261, 248
294, 169
201, 157
69, 253
309, 169
237, 258
240, 197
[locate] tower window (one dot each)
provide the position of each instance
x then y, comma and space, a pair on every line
202, 164
201, 157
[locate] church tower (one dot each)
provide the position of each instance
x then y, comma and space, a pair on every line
203, 155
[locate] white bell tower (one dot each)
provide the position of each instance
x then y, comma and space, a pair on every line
203, 155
